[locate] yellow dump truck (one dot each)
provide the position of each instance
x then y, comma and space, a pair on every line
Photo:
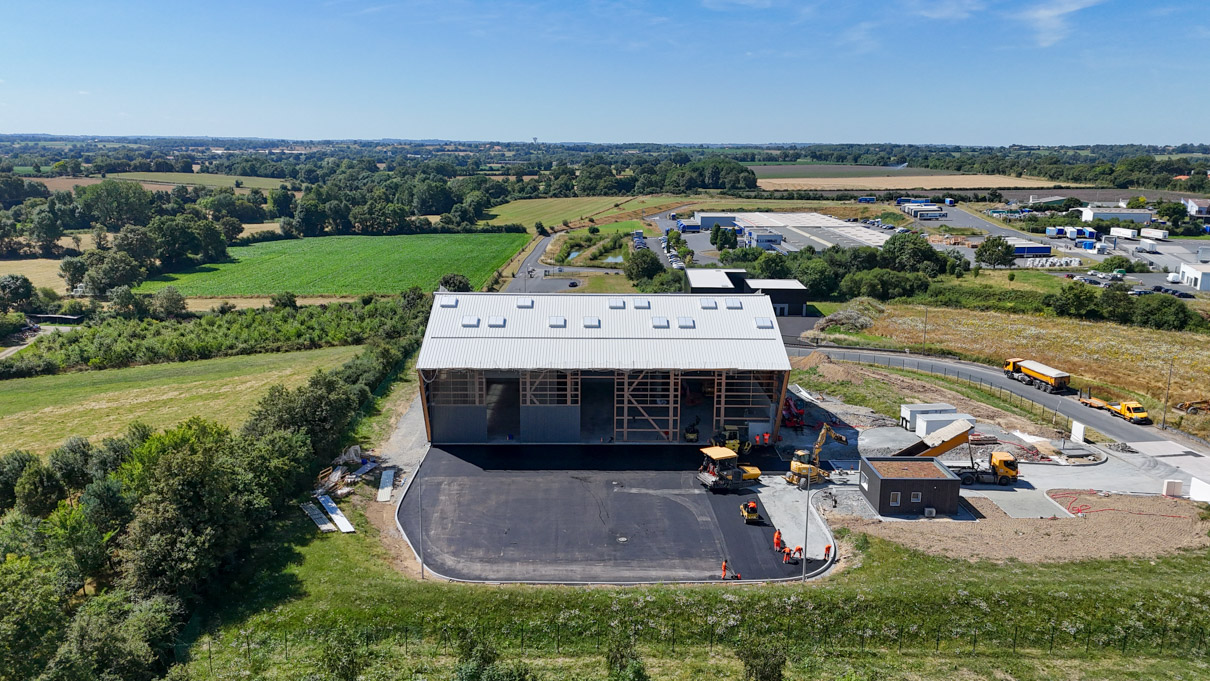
1037, 374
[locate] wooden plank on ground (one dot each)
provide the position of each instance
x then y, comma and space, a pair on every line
321, 521
385, 484
337, 516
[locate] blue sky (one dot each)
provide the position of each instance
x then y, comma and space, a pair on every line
913, 71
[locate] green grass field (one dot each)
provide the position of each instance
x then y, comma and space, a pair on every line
552, 212
203, 179
346, 265
893, 614
39, 413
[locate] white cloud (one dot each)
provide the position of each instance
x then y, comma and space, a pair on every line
945, 9
1050, 19
83, 92
860, 37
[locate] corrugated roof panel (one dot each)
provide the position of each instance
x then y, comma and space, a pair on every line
720, 338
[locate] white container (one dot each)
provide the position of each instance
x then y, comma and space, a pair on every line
909, 412
931, 423
1152, 233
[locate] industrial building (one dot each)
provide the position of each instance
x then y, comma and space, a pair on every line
786, 232
788, 296
1197, 208
554, 368
1141, 215
908, 485
1196, 275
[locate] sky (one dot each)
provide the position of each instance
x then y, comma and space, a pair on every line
988, 72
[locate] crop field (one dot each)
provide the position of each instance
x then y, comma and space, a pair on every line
203, 179
892, 180
67, 183
38, 413
1130, 358
40, 271
552, 212
837, 171
345, 265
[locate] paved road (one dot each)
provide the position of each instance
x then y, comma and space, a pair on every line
538, 283
12, 350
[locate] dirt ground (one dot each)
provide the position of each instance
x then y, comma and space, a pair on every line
902, 182
1112, 526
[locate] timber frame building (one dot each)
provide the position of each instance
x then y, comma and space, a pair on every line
599, 368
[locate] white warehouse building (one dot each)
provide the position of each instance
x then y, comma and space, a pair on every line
1196, 275
1141, 215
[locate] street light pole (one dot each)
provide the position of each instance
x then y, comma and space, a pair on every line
1164, 420
926, 328
806, 533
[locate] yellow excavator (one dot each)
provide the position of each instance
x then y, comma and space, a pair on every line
806, 466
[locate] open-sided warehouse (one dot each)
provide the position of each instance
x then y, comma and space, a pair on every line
555, 368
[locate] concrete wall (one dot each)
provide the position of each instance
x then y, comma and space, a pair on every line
460, 424
550, 424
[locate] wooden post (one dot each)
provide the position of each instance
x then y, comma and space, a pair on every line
424, 405
777, 408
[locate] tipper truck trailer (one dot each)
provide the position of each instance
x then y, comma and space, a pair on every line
1036, 374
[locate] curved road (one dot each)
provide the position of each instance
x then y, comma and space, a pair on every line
1100, 421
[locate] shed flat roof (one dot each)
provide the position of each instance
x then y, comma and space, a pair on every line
1197, 267
706, 278
509, 331
771, 284
905, 468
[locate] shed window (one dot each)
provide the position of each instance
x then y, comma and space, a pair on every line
495, 322
685, 322
734, 304
764, 323
557, 322
525, 303
709, 304
659, 322
617, 304
895, 498
449, 301
642, 304
470, 321
916, 496
592, 322
865, 482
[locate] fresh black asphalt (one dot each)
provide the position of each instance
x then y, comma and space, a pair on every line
571, 514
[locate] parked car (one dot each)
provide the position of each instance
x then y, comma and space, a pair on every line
573, 283
1182, 294
1069, 275
1140, 292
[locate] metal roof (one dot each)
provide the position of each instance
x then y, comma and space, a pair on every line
594, 332
705, 278
775, 284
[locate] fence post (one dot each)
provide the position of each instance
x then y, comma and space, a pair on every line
937, 648
1163, 638
1015, 639
1125, 638
558, 638
598, 634
1087, 637
974, 640
1052, 637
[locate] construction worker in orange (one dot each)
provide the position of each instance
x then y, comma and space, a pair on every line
786, 553
752, 507
724, 569
827, 551
798, 552
777, 540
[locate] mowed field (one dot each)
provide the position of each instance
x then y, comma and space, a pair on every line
553, 212
894, 180
38, 413
202, 179
830, 170
40, 272
346, 265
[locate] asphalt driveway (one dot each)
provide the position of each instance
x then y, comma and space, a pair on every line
622, 514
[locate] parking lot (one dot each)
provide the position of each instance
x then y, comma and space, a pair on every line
616, 514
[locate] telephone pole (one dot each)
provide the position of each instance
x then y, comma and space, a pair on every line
1164, 419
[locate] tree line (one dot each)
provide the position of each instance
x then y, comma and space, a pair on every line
108, 547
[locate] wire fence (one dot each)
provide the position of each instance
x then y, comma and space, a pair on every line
1041, 411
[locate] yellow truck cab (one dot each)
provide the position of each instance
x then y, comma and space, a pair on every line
1131, 411
1000, 469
